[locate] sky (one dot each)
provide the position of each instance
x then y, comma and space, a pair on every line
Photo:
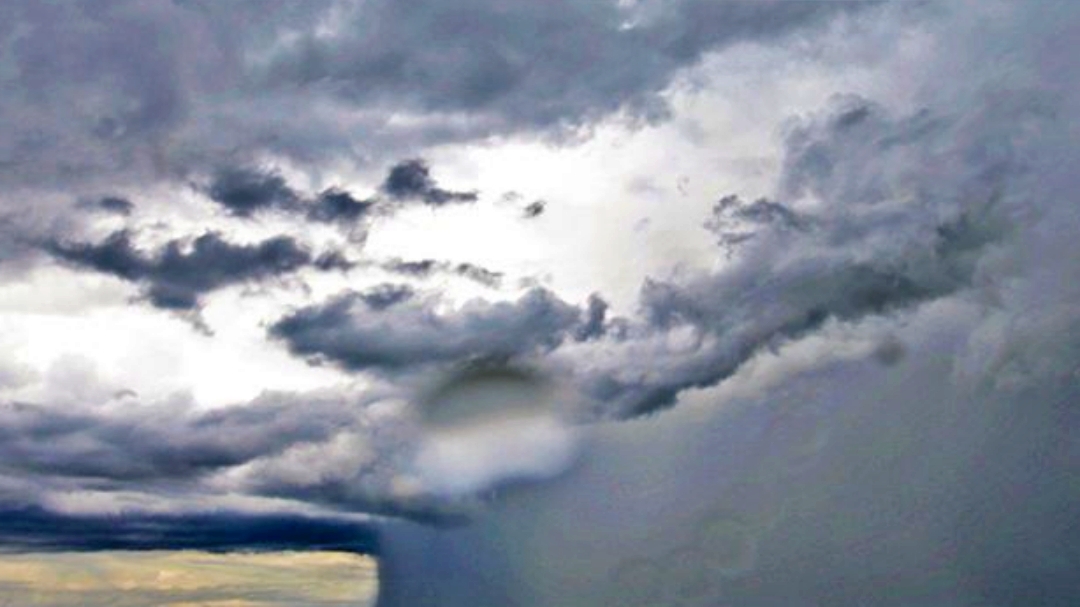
594, 302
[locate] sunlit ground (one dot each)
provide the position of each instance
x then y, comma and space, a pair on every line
187, 579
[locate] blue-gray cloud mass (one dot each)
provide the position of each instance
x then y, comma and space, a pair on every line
862, 392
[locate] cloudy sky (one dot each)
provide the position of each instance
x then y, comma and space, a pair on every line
591, 302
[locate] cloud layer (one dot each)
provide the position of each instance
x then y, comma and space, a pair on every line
862, 393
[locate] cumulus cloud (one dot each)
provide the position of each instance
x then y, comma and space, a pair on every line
348, 331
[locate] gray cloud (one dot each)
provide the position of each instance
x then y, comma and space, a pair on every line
595, 315
534, 209
345, 452
386, 295
246, 191
174, 278
412, 334
810, 472
192, 86
157, 443
878, 242
411, 180
734, 221
945, 476
337, 205
39, 530
425, 268
530, 65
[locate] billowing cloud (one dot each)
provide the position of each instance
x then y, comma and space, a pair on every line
527, 66
808, 461
595, 315
876, 244
349, 331
874, 368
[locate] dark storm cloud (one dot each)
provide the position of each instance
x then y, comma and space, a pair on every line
35, 529
892, 230
244, 192
337, 450
169, 92
411, 180
175, 278
530, 64
412, 334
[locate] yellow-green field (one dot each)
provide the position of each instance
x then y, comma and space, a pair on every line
187, 579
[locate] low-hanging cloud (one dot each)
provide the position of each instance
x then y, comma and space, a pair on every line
876, 381
36, 529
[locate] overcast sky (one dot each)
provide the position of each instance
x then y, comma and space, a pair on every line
475, 285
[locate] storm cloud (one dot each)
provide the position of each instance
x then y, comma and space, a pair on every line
39, 530
876, 244
349, 331
480, 57
808, 310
